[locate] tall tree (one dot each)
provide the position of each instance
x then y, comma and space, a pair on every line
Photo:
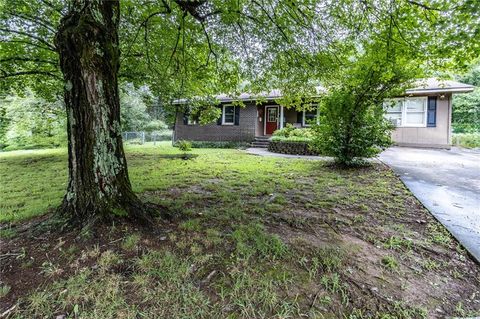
81, 36
88, 47
188, 48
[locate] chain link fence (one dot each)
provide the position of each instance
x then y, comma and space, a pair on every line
142, 137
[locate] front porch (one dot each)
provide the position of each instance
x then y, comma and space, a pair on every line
272, 117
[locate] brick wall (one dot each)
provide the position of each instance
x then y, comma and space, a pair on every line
245, 131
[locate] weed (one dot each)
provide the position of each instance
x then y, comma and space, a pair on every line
390, 262
4, 290
397, 243
333, 284
131, 242
430, 264
49, 269
438, 234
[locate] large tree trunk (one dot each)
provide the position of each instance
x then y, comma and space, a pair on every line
98, 184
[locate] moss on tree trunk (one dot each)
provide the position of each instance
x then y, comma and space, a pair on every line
98, 185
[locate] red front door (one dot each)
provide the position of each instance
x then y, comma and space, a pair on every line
271, 119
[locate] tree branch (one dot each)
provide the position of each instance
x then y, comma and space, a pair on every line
23, 73
28, 43
51, 47
29, 60
36, 20
143, 24
210, 48
422, 5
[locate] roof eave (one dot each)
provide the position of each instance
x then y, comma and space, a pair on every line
442, 90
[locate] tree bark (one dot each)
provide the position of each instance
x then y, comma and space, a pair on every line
98, 183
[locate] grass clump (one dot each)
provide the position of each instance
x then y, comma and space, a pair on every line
252, 240
438, 234
390, 262
131, 242
191, 225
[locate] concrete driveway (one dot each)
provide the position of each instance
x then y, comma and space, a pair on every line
447, 182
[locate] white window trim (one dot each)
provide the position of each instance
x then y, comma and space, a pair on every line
223, 114
317, 117
404, 112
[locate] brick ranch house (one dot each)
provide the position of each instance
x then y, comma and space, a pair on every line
422, 116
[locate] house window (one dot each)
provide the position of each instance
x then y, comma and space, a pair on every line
415, 112
394, 109
309, 117
228, 115
407, 112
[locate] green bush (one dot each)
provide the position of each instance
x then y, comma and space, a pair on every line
469, 140
290, 131
184, 146
351, 128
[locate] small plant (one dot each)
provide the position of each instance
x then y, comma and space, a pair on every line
4, 290
397, 243
390, 262
184, 146
130, 242
438, 234
49, 269
430, 264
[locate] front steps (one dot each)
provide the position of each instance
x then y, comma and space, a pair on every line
261, 141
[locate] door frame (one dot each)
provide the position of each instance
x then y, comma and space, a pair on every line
265, 117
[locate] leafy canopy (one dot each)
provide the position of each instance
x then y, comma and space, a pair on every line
186, 49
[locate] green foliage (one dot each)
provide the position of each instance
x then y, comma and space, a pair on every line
133, 109
469, 140
184, 146
350, 128
155, 126
466, 107
352, 124
31, 122
292, 133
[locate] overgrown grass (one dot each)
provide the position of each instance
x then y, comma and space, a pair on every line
468, 140
252, 237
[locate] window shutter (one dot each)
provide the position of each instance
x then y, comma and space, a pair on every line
432, 111
219, 120
299, 117
237, 115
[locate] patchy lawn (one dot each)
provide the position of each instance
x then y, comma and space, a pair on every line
251, 237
